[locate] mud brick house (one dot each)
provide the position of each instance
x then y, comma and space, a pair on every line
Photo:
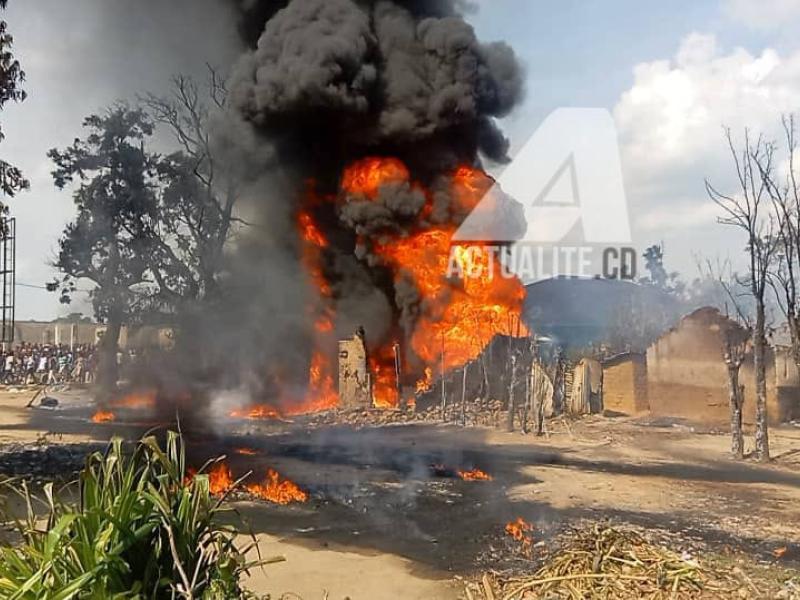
586, 394
686, 374
625, 383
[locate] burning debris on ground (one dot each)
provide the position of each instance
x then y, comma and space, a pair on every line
284, 266
274, 488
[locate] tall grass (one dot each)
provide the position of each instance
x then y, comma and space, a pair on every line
137, 530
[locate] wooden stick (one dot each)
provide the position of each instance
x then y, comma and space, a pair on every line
535, 582
468, 592
487, 587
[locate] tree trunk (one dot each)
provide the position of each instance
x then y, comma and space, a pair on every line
108, 370
512, 384
538, 410
444, 389
759, 346
736, 396
794, 332
485, 385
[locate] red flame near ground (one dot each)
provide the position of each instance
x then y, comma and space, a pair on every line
474, 475
277, 489
220, 478
520, 530
103, 416
246, 452
258, 412
141, 400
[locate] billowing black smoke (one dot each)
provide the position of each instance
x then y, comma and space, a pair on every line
337, 79
325, 83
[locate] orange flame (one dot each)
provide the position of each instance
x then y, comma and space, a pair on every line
103, 416
367, 175
220, 479
458, 320
474, 475
384, 384
322, 393
246, 452
520, 530
458, 316
137, 400
258, 412
278, 490
310, 232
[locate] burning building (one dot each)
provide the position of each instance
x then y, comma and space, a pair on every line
363, 127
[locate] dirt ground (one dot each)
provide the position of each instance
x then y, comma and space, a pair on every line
386, 514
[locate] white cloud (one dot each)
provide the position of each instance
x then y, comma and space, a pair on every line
762, 14
673, 113
671, 129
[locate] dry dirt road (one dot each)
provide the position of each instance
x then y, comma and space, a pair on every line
386, 514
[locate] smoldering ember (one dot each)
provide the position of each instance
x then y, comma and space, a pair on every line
330, 299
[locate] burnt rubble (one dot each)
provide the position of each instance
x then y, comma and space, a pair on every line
45, 461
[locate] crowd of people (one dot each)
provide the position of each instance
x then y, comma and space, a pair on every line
48, 364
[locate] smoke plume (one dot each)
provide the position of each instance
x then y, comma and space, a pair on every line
325, 85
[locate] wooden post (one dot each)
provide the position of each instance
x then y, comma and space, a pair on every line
397, 369
527, 404
464, 395
444, 391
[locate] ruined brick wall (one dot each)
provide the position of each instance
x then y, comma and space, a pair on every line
625, 385
687, 376
354, 377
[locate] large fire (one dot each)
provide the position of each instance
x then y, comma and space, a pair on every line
457, 319
277, 489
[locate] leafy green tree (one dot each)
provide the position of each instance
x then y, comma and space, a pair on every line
110, 241
11, 78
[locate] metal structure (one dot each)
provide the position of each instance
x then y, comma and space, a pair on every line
8, 251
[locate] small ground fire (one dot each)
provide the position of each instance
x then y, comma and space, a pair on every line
277, 489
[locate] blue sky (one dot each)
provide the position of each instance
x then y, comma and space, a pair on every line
656, 65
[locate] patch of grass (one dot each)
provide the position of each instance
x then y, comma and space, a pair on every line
139, 529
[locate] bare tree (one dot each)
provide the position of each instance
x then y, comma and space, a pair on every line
785, 196
734, 352
736, 335
201, 191
749, 210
